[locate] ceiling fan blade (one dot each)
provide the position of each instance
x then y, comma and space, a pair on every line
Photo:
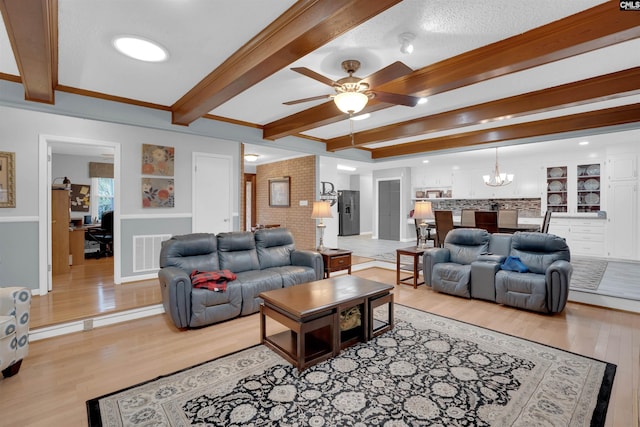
388, 73
396, 98
310, 73
313, 98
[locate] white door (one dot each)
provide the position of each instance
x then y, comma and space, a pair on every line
622, 220
212, 190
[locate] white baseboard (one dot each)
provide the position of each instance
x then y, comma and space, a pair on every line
605, 301
94, 322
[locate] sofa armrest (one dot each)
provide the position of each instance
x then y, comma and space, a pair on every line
431, 257
492, 258
175, 285
309, 259
558, 277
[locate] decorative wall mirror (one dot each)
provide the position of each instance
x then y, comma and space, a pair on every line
7, 180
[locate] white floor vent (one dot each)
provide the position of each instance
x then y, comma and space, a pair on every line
146, 252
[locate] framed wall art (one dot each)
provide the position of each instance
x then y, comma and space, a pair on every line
157, 193
7, 179
279, 191
157, 160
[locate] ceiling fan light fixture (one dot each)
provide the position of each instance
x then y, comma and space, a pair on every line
140, 49
250, 157
351, 102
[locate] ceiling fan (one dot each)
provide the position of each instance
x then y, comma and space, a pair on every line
353, 93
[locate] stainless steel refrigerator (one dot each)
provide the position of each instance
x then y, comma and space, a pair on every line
348, 212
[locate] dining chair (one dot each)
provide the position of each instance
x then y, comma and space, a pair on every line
444, 224
487, 220
468, 218
545, 222
507, 218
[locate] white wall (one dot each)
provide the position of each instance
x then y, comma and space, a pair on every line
20, 133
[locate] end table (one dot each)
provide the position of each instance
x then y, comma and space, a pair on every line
336, 260
415, 253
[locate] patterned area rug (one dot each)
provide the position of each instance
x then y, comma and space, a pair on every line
587, 273
429, 370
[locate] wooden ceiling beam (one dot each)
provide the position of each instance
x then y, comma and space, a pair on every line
303, 28
32, 27
608, 86
598, 27
590, 120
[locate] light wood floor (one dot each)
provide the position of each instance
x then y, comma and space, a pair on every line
88, 291
61, 373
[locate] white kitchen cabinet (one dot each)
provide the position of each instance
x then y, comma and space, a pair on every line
573, 189
622, 220
585, 236
622, 167
470, 184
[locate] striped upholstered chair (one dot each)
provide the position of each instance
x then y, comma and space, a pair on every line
15, 306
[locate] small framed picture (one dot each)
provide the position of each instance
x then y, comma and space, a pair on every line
434, 194
279, 191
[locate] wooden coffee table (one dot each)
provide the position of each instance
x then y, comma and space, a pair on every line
311, 313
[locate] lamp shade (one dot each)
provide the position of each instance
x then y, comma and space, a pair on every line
321, 209
351, 102
423, 210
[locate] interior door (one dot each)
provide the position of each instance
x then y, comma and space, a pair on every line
212, 189
622, 220
389, 210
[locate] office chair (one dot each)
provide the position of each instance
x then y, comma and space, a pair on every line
103, 235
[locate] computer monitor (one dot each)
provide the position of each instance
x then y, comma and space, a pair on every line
87, 219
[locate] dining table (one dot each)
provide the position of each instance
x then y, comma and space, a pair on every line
506, 229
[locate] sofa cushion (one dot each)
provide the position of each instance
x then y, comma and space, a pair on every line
252, 283
466, 244
237, 251
209, 307
522, 290
274, 247
451, 278
539, 250
198, 251
294, 274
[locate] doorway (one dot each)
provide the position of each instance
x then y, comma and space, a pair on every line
389, 209
249, 201
82, 149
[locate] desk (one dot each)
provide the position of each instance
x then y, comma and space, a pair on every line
414, 252
76, 246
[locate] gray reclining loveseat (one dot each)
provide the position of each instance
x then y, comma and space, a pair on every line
262, 261
469, 265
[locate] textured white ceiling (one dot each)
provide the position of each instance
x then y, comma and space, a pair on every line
201, 34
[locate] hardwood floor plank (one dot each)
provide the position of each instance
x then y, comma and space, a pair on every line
61, 373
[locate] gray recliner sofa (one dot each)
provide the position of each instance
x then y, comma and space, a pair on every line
469, 266
261, 261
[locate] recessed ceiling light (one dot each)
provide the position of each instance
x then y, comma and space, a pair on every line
140, 49
583, 143
361, 116
346, 168
425, 161
423, 100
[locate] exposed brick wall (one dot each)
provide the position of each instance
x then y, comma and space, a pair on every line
296, 218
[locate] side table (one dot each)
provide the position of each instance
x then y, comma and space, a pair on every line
335, 260
415, 253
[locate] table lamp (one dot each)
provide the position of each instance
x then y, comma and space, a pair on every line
321, 209
423, 211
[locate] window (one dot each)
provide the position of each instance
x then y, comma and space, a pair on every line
102, 196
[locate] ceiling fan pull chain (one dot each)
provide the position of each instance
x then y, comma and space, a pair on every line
351, 128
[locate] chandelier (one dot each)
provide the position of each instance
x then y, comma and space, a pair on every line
497, 179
